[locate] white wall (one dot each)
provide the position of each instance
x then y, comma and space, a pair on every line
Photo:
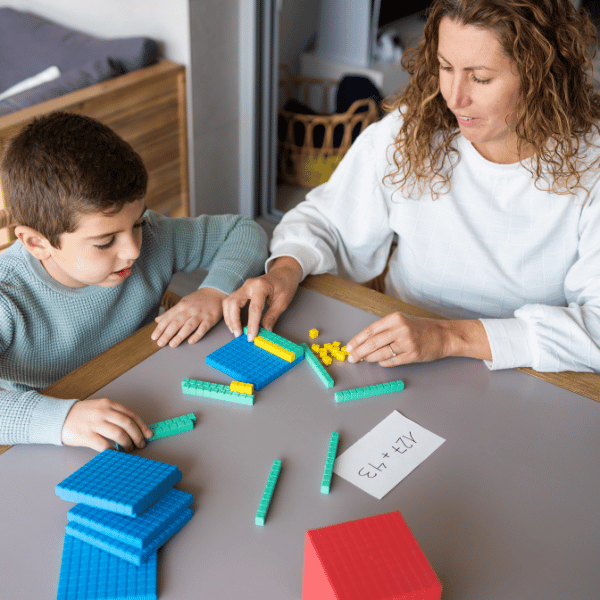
215, 86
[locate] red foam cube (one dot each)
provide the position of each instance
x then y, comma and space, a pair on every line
376, 558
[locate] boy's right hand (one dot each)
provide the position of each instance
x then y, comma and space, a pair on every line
277, 289
92, 423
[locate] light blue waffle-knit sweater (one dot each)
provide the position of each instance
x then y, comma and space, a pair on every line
47, 329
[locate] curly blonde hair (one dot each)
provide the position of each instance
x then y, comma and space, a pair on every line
552, 46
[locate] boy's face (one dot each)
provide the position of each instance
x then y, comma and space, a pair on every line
101, 251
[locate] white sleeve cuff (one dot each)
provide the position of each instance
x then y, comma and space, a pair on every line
510, 342
307, 260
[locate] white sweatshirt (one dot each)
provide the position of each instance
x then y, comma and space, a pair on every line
524, 261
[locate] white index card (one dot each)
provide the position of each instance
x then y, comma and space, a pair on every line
382, 458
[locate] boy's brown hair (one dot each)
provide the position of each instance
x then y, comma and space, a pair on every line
63, 165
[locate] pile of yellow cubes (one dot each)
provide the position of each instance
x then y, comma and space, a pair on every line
328, 351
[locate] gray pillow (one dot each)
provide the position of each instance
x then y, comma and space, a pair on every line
29, 44
75, 79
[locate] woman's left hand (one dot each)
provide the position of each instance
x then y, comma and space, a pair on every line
400, 339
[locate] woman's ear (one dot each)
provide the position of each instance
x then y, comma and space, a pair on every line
33, 241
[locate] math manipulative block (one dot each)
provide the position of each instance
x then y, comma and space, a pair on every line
244, 361
119, 482
295, 349
329, 462
136, 556
274, 348
163, 429
241, 387
173, 426
375, 558
216, 391
88, 573
139, 531
317, 367
370, 390
265, 501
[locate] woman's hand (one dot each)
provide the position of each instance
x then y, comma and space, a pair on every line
92, 423
400, 339
276, 288
192, 316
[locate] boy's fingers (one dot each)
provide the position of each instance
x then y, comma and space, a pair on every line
124, 430
167, 333
113, 432
200, 332
133, 424
144, 430
158, 330
183, 332
98, 443
165, 321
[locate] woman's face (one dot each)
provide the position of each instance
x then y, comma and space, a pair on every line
481, 87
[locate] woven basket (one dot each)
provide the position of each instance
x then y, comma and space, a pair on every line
311, 146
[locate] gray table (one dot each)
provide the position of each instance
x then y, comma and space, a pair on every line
505, 509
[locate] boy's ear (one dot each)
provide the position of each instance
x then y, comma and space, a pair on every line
33, 241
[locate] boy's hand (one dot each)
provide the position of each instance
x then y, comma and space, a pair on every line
276, 288
192, 316
92, 423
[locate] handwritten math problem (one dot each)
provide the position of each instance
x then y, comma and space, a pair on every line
402, 447
383, 457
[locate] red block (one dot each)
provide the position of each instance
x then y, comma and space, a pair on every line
376, 558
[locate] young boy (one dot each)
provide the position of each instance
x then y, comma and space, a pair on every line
89, 268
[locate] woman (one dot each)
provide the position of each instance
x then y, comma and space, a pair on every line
486, 170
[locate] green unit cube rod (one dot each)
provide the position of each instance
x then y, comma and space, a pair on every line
317, 367
370, 390
265, 501
162, 429
329, 462
216, 391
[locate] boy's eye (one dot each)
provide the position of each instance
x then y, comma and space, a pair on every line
106, 246
112, 241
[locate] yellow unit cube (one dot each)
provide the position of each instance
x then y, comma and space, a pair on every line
338, 355
241, 388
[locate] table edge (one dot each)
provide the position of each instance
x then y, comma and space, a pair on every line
126, 354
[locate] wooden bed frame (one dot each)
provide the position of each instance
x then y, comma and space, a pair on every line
148, 109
